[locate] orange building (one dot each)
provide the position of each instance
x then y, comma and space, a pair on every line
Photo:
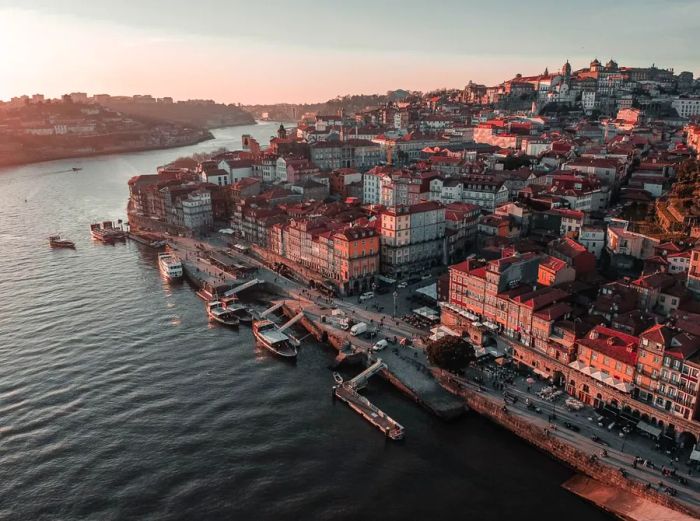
609, 356
553, 271
356, 258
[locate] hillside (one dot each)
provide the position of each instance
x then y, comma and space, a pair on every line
191, 113
351, 104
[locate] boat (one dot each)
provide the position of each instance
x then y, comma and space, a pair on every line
106, 232
76, 169
338, 379
272, 339
55, 241
170, 265
243, 313
220, 314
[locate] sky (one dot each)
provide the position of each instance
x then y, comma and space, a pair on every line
269, 51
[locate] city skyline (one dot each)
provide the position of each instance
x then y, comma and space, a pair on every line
280, 54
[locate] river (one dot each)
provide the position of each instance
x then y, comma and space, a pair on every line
118, 400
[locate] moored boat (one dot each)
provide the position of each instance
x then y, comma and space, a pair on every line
272, 339
170, 265
55, 241
243, 313
338, 379
220, 314
106, 232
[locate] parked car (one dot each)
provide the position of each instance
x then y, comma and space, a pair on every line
425, 276
366, 296
380, 345
402, 285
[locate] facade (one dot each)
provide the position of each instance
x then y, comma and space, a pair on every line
412, 238
485, 191
593, 239
197, 214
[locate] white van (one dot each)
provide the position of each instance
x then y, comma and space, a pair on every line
366, 296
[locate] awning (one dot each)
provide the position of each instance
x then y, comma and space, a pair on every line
429, 291
695, 455
649, 429
428, 313
440, 331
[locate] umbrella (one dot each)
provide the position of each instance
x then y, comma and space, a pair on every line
530, 380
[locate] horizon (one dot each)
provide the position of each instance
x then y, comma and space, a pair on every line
311, 52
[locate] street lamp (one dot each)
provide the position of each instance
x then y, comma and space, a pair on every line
396, 294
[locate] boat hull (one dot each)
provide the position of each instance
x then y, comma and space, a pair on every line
232, 322
289, 352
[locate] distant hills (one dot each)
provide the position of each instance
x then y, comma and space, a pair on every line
351, 104
192, 113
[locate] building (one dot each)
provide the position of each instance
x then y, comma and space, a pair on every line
668, 370
573, 254
485, 191
687, 106
197, 214
553, 271
593, 239
412, 238
356, 259
609, 357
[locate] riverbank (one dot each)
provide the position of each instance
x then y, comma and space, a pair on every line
446, 396
544, 436
107, 152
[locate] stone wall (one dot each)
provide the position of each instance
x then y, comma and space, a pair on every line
561, 450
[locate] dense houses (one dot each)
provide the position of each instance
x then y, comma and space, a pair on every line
563, 205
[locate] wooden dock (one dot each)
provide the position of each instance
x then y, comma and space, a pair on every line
391, 428
347, 392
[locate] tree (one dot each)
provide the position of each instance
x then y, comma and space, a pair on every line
451, 353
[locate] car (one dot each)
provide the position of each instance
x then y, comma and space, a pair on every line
425, 276
402, 285
366, 296
380, 345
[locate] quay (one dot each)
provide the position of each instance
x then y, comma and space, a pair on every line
152, 240
406, 374
347, 392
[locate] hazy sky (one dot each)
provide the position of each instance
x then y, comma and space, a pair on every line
263, 51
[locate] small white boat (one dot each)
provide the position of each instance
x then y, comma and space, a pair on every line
338, 379
220, 314
170, 265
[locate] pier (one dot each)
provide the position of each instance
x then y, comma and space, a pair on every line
347, 392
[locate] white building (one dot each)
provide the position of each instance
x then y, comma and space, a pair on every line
593, 239
197, 212
237, 169
687, 106
372, 187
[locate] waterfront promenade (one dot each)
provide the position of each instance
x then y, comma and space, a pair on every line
412, 369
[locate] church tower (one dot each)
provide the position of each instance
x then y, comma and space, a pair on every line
566, 69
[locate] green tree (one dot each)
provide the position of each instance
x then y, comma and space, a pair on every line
451, 353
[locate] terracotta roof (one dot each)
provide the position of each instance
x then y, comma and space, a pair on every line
612, 343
